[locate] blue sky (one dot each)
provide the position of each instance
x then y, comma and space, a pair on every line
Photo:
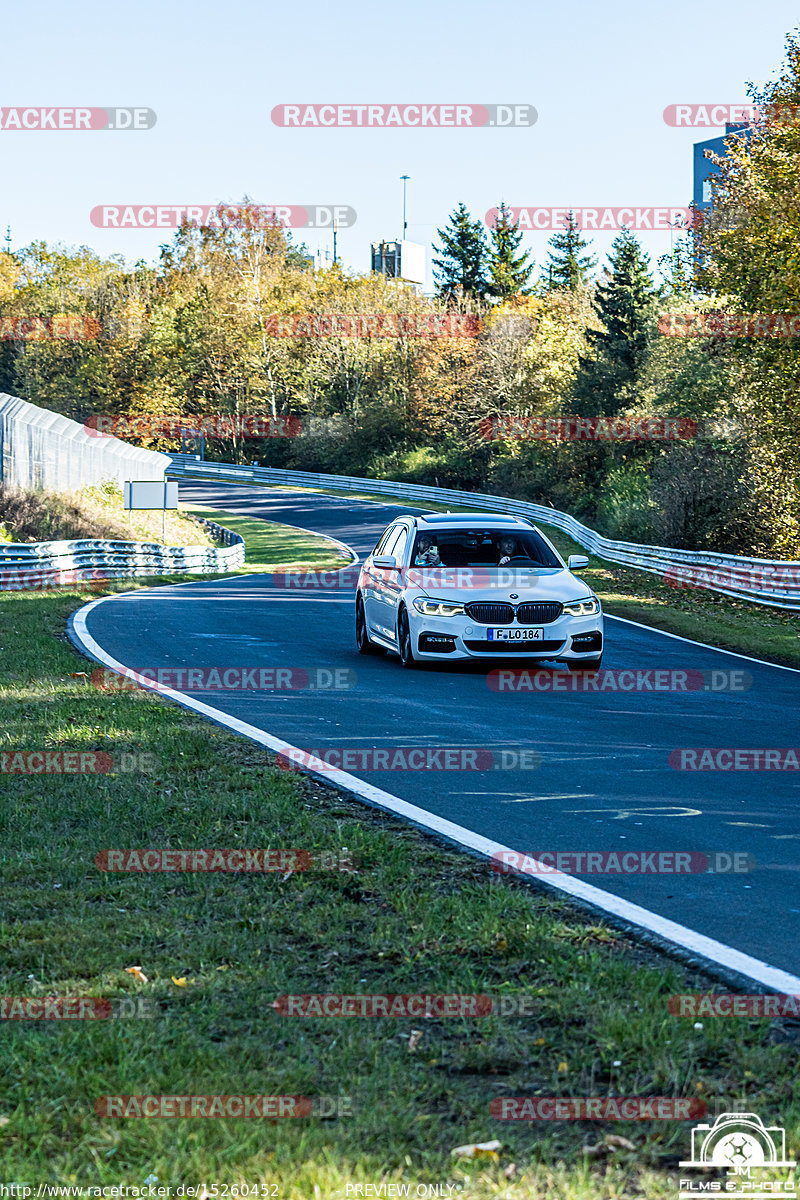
599, 75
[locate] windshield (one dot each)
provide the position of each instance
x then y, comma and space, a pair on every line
482, 548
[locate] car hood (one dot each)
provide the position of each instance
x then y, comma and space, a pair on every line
547, 583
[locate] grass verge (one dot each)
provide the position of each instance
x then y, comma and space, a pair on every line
270, 545
213, 952
96, 511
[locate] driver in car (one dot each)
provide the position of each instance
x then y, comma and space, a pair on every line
427, 554
507, 547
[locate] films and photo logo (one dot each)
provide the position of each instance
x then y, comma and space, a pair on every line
406, 116
77, 118
710, 116
739, 1143
596, 217
248, 215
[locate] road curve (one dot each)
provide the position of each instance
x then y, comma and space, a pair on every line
604, 783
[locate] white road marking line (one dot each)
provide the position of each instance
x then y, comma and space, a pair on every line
718, 649
680, 935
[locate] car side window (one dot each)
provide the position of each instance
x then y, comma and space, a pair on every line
389, 548
399, 547
391, 532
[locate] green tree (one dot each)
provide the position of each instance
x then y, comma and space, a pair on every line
464, 254
747, 242
567, 265
624, 305
748, 248
508, 269
677, 269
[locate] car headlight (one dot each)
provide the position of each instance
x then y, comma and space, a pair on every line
589, 606
438, 608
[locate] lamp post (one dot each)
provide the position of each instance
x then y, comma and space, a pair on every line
405, 179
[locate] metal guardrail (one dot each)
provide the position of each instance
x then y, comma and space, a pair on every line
39, 565
763, 581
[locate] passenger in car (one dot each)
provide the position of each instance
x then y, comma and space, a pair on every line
426, 554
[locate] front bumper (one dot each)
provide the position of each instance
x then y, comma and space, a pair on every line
449, 638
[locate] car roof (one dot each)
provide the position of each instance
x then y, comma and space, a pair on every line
471, 521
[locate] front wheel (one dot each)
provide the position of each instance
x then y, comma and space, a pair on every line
585, 664
404, 641
363, 643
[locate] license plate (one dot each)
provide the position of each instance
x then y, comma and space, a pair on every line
515, 635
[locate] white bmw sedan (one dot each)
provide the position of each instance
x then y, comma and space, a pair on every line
475, 585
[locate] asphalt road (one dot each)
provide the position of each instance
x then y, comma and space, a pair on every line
604, 783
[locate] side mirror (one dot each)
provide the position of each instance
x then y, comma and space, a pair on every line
385, 562
576, 561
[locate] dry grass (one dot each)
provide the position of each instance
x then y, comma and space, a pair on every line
93, 512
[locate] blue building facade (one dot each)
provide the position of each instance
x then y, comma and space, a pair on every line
704, 168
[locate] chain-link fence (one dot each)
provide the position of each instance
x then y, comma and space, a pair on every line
41, 449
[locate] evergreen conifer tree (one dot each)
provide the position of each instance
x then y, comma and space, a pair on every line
624, 302
464, 256
508, 269
568, 266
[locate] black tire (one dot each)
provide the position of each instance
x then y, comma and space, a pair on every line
587, 664
363, 643
404, 641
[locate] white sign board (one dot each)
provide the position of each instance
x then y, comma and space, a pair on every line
146, 493
412, 262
